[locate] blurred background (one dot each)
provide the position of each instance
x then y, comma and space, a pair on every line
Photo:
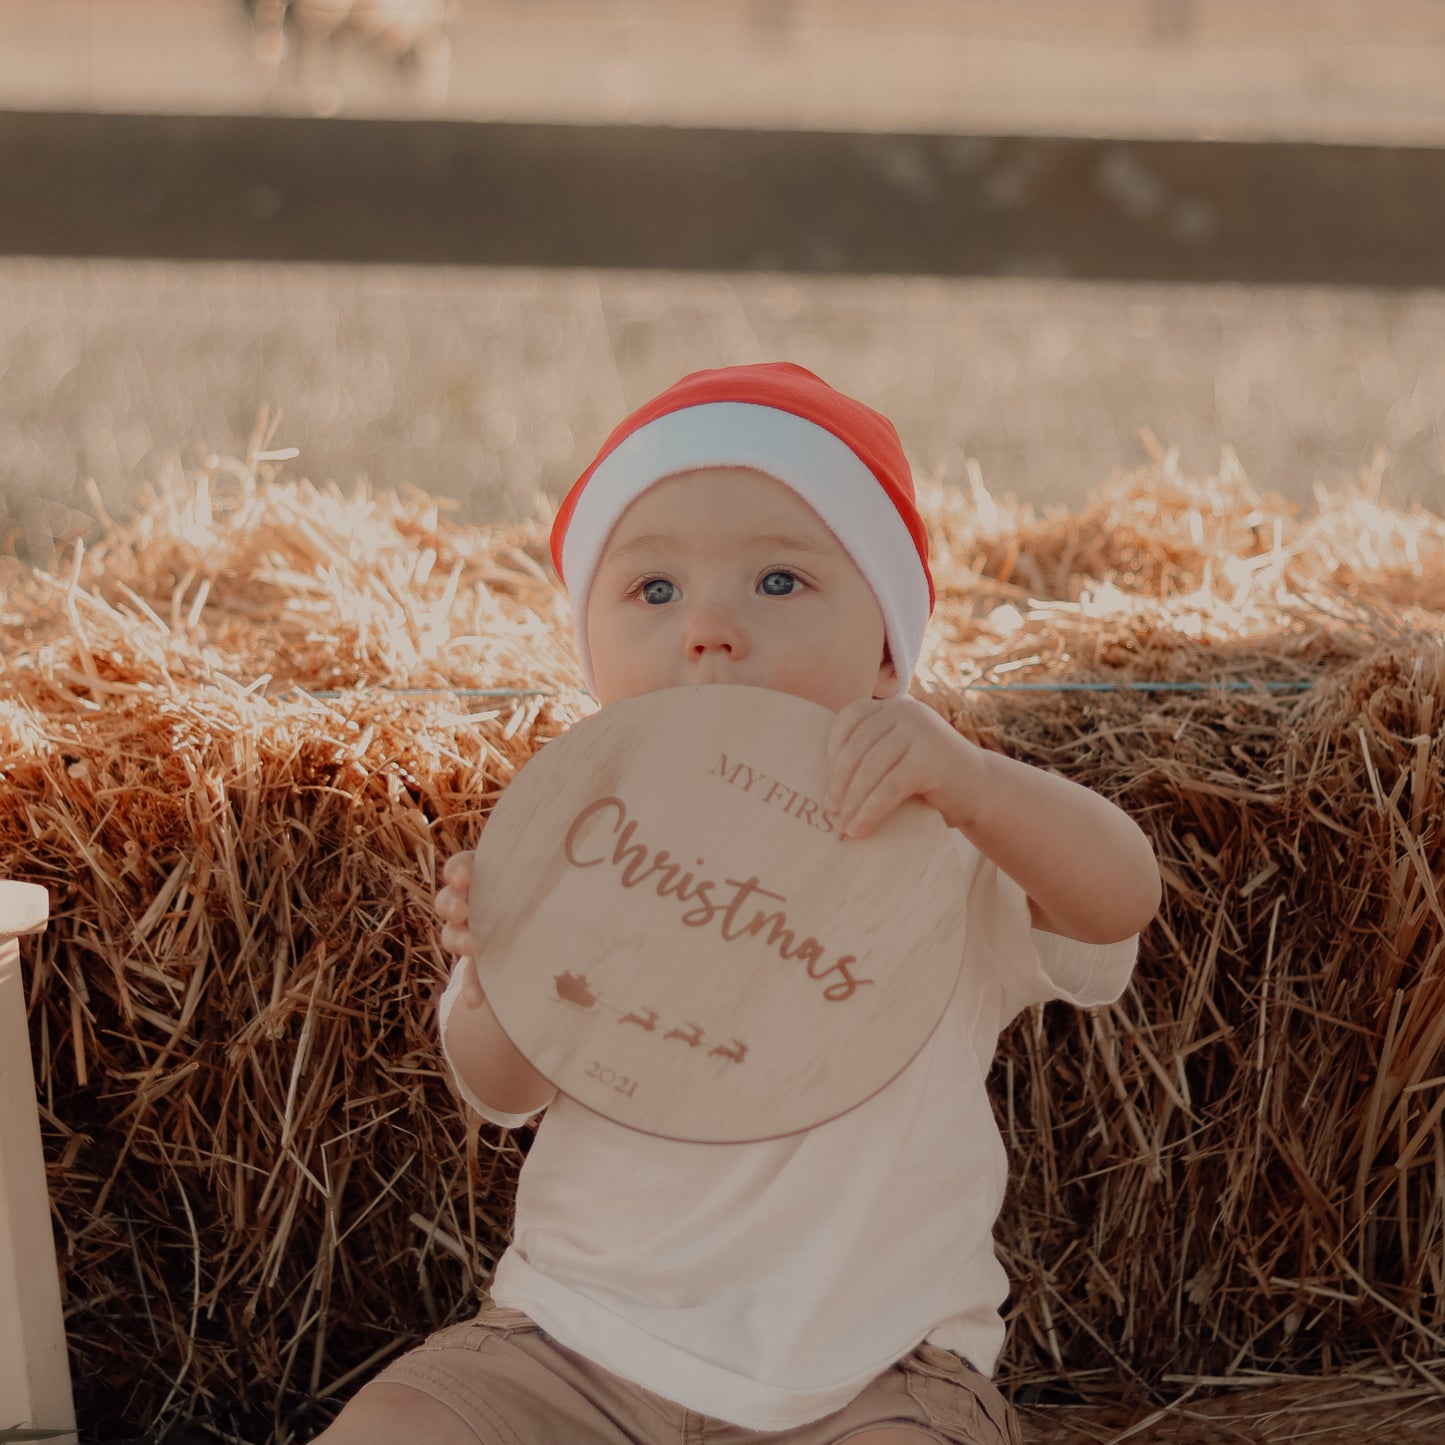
446, 243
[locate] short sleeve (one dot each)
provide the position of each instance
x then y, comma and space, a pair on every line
1031, 965
444, 1009
1086, 974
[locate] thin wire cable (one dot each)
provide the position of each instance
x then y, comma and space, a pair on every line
1215, 685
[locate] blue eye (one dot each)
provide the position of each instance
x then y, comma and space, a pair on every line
657, 591
779, 584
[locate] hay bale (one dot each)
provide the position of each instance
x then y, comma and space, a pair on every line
241, 734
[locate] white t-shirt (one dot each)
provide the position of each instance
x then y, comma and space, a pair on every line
766, 1284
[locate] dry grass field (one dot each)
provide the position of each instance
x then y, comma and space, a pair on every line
489, 386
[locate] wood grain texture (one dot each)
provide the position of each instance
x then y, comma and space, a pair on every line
24, 908
669, 928
34, 1367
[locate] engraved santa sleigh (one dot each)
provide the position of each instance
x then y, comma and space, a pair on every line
668, 926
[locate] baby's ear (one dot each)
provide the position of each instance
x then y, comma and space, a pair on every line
886, 683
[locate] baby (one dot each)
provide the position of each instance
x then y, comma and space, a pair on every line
753, 525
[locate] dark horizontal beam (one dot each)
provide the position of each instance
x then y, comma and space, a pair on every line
288, 188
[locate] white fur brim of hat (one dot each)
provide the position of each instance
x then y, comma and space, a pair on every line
823, 470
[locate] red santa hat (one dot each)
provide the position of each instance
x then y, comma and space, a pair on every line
842, 458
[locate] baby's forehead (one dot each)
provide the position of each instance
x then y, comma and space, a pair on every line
733, 505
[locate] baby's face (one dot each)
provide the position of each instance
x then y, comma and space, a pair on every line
726, 575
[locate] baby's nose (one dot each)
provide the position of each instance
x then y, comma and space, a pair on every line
716, 629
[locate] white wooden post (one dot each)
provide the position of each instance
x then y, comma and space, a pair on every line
34, 1370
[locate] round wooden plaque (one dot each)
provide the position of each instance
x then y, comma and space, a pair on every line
669, 929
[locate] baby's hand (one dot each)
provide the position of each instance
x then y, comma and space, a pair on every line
453, 907
883, 751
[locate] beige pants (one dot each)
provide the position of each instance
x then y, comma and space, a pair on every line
514, 1385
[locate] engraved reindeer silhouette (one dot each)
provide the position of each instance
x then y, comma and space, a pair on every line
647, 1019
737, 1053
691, 1036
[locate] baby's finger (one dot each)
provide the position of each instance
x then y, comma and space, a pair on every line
845, 725
456, 939
862, 735
457, 870
451, 905
874, 789
892, 789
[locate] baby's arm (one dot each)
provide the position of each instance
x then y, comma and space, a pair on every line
1088, 869
486, 1061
